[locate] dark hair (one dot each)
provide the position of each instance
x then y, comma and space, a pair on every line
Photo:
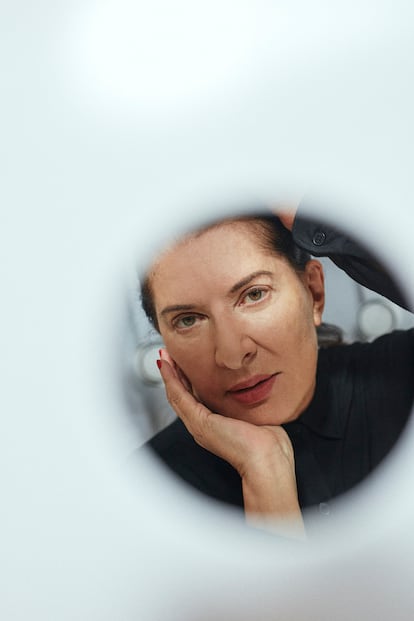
273, 237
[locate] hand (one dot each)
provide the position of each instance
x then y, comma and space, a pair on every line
286, 213
262, 455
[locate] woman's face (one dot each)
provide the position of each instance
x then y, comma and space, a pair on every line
240, 323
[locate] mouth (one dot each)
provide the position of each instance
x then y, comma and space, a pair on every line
253, 391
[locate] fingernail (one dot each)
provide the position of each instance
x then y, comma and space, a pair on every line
160, 353
159, 362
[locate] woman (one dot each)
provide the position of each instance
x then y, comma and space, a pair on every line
278, 425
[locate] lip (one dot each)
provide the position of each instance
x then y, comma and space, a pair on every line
255, 390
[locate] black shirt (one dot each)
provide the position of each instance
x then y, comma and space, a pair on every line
363, 398
364, 393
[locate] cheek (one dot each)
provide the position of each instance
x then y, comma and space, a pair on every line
302, 313
193, 357
303, 348
289, 318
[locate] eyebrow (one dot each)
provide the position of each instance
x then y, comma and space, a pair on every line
245, 281
177, 307
239, 285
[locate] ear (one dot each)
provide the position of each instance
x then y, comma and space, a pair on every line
315, 283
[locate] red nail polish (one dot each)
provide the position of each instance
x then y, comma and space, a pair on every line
159, 362
160, 353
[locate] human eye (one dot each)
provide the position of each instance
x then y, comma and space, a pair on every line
184, 322
255, 295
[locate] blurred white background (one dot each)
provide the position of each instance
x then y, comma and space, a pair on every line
120, 121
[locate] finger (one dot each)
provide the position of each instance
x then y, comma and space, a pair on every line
184, 379
182, 401
164, 355
286, 212
193, 413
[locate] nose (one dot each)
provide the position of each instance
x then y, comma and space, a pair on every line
234, 348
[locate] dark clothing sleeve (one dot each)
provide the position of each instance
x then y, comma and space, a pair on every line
322, 240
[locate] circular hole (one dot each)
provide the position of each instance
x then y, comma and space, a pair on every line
209, 302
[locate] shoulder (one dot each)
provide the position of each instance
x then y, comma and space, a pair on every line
177, 450
195, 465
175, 433
398, 344
384, 366
379, 373
392, 353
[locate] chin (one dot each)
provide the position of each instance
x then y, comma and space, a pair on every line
261, 415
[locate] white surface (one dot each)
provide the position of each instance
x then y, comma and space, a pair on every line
323, 104
146, 364
376, 318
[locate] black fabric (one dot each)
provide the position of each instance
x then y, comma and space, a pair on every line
322, 240
200, 468
363, 398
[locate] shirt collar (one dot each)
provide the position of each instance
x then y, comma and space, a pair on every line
325, 413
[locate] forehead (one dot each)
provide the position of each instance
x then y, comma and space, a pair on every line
217, 245
215, 258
